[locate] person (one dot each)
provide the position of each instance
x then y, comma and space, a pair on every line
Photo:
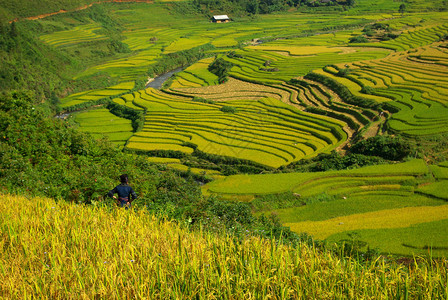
125, 193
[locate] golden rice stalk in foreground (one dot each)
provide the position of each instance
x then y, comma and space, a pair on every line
67, 251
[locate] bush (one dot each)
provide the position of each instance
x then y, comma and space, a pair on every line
228, 109
387, 147
358, 39
137, 117
203, 100
220, 68
333, 161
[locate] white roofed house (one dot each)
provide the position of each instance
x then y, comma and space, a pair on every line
220, 19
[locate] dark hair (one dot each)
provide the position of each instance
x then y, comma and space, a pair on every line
124, 178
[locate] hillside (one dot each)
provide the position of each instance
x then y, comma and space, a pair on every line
67, 250
10, 10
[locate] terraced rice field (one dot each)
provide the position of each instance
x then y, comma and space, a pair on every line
175, 163
415, 83
282, 116
128, 100
101, 123
251, 65
413, 38
195, 75
233, 89
400, 78
266, 131
377, 204
95, 95
332, 182
79, 34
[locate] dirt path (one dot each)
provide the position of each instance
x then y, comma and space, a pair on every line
373, 129
62, 11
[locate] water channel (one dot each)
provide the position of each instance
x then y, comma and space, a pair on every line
159, 80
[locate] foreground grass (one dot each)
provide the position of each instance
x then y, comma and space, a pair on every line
62, 250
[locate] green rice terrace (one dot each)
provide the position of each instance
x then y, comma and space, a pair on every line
260, 97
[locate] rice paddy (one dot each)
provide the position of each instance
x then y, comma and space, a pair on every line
79, 34
359, 202
95, 95
100, 122
59, 248
280, 115
259, 131
412, 84
195, 75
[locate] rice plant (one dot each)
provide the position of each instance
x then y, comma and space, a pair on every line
63, 250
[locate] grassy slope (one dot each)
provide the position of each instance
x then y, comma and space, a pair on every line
72, 251
28, 8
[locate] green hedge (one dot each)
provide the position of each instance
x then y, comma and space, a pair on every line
137, 117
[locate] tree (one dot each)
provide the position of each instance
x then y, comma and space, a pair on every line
350, 2
252, 7
13, 32
402, 9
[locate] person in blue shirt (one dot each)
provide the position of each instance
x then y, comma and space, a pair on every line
125, 193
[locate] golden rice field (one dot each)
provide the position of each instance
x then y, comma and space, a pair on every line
64, 250
413, 82
296, 50
259, 131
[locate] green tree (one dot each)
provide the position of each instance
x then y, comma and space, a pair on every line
402, 9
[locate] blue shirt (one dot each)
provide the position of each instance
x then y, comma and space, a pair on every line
124, 191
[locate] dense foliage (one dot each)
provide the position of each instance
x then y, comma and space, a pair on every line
220, 68
137, 117
391, 148
27, 63
333, 161
261, 6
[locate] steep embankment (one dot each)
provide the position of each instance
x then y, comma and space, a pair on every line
70, 251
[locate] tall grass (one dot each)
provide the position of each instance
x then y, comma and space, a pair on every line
61, 250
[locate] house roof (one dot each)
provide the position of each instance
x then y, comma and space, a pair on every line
221, 17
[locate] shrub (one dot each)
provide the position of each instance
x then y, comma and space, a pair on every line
228, 109
203, 100
367, 90
358, 39
220, 68
233, 54
332, 161
137, 117
392, 148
